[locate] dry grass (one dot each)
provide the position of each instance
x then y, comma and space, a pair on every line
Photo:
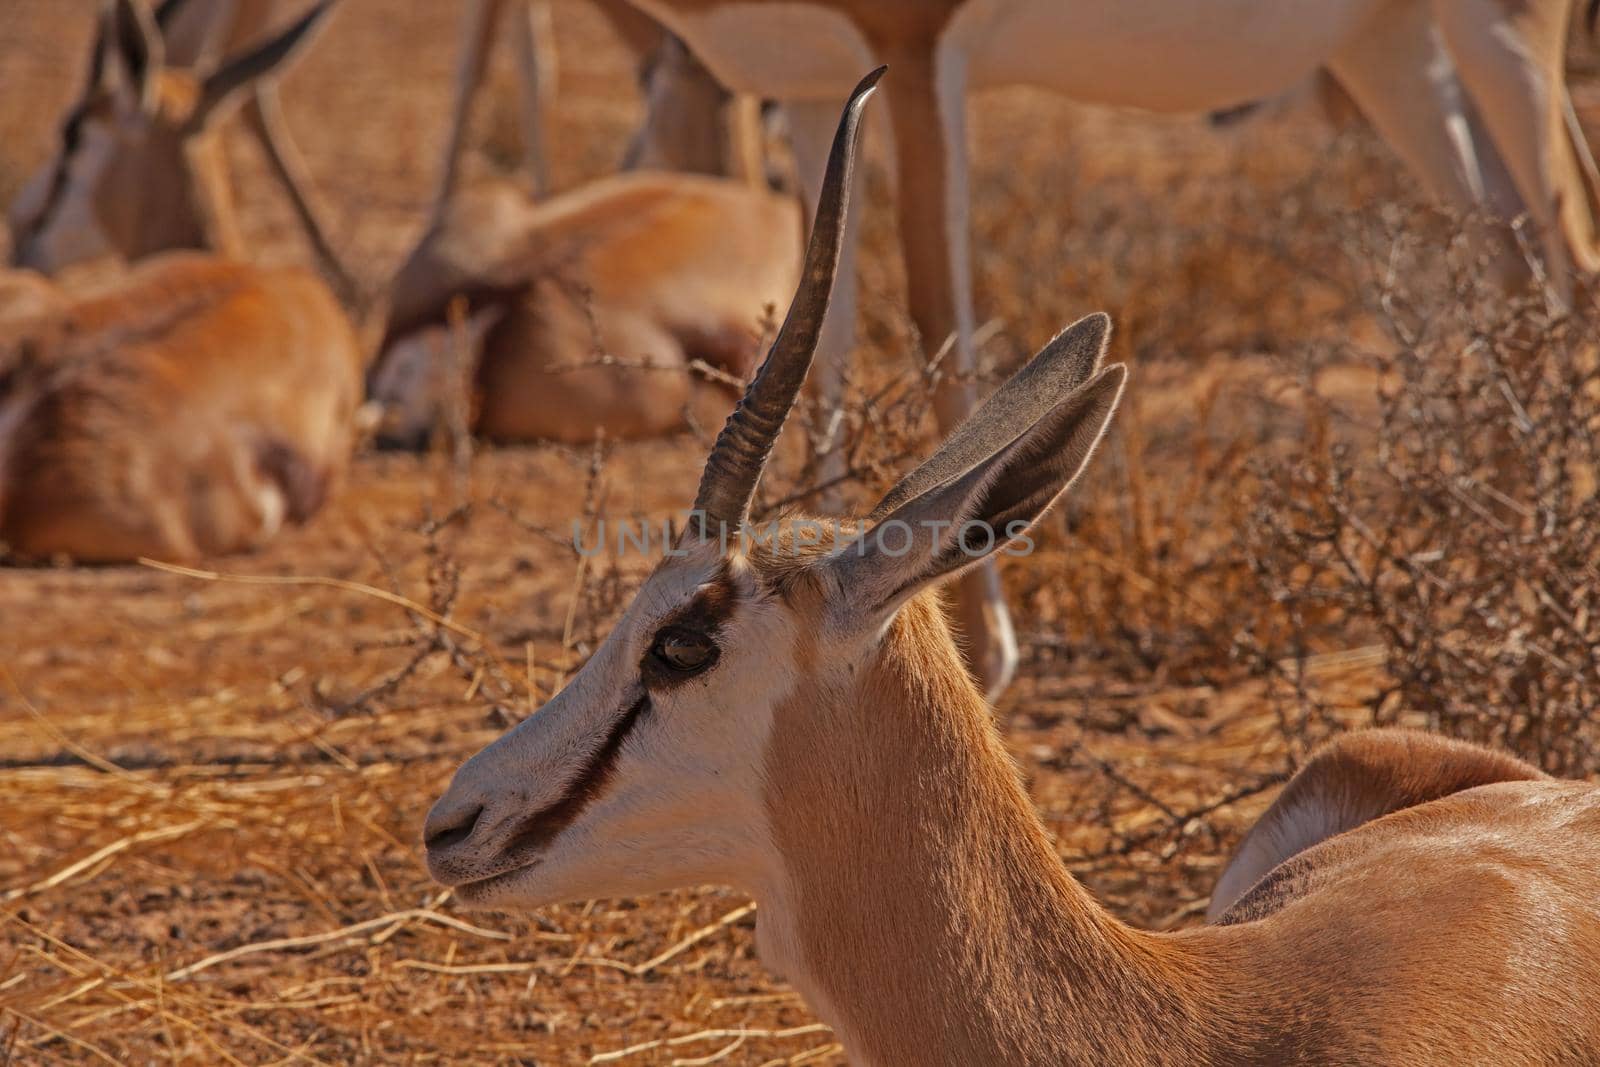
213, 788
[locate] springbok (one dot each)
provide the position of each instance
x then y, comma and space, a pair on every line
139, 166
789, 715
1467, 91
190, 411
1349, 782
613, 307
617, 306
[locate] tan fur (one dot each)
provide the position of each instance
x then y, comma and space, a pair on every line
936, 921
192, 410
25, 293
651, 269
1349, 782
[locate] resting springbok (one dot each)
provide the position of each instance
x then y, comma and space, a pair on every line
590, 310
1349, 782
139, 167
191, 410
790, 716
1467, 91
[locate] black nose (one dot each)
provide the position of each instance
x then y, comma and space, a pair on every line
449, 830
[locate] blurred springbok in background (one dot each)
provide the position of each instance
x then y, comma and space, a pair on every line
1468, 92
625, 306
199, 404
692, 124
669, 269
192, 410
140, 166
791, 717
163, 138
616, 307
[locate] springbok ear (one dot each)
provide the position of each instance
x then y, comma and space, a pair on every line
1071, 358
136, 54
983, 505
242, 71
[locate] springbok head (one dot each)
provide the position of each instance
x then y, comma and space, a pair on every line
124, 181
659, 765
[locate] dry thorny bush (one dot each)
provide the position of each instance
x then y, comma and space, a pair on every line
1463, 539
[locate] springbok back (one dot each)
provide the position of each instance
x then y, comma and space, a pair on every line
193, 410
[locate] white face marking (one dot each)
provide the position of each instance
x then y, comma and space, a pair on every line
683, 804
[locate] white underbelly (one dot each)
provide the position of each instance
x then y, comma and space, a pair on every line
1161, 55
784, 51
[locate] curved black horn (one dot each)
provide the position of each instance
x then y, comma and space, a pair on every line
740, 454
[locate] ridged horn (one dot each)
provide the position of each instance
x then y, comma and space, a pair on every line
728, 483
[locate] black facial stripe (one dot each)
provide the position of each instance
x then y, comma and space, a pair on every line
536, 831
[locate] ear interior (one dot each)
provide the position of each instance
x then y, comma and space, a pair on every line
962, 521
1025, 478
1070, 359
242, 71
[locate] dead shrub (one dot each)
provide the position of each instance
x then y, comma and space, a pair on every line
1462, 536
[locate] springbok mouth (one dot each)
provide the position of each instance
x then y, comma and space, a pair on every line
534, 834
478, 890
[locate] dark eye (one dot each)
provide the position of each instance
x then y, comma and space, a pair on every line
684, 650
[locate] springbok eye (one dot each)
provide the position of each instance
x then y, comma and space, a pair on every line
684, 651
